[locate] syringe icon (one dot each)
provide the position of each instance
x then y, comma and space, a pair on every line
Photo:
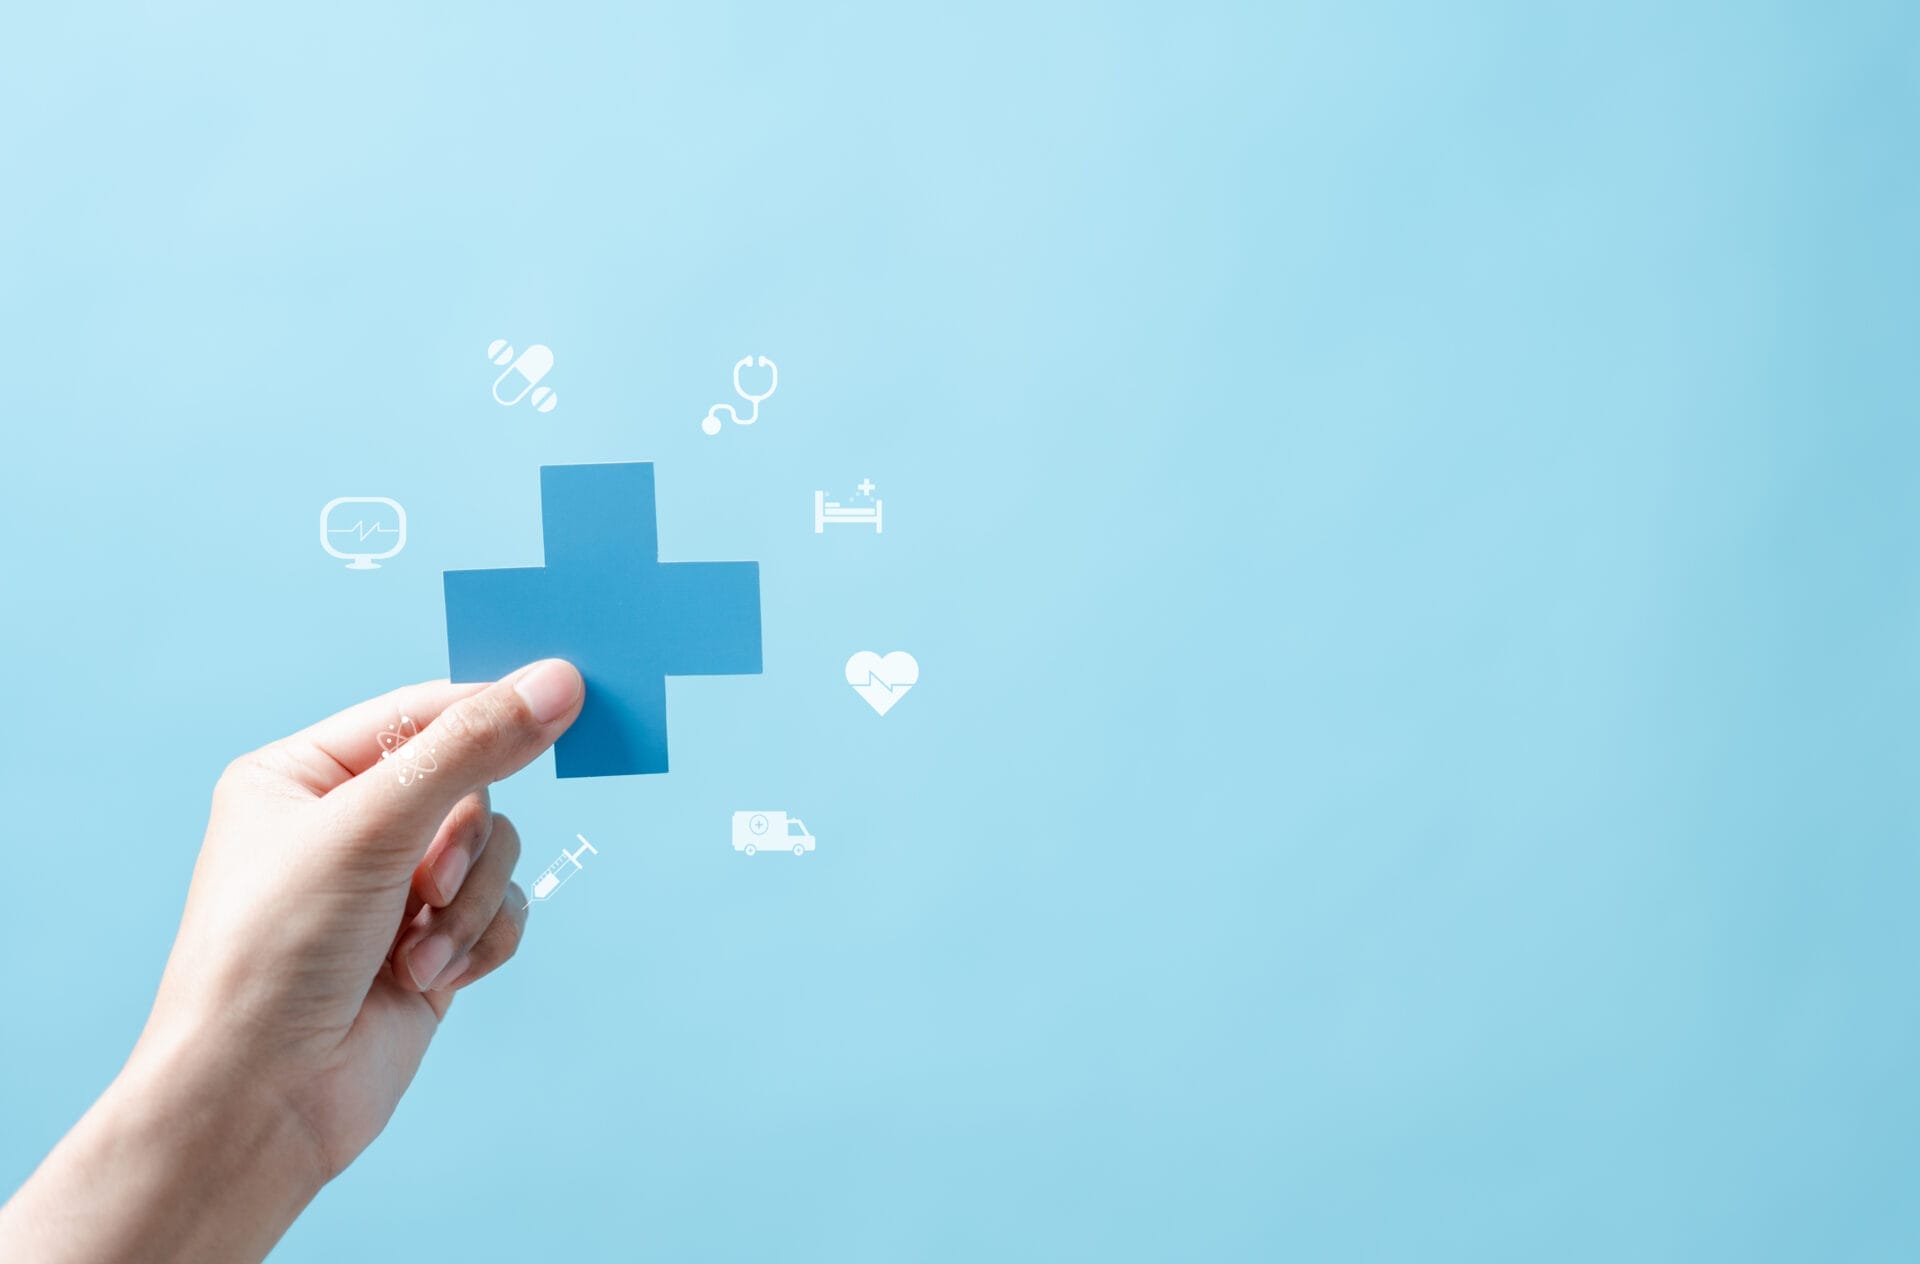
560, 870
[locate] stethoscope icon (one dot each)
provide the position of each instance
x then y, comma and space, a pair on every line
711, 422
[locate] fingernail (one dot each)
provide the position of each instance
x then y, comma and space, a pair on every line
453, 972
450, 869
426, 959
549, 689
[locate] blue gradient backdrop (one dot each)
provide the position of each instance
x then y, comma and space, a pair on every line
1406, 514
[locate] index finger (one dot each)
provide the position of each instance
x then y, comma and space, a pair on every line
496, 731
349, 742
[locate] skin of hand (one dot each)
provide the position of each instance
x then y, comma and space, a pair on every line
333, 914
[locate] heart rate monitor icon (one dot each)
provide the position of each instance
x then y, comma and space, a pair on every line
882, 681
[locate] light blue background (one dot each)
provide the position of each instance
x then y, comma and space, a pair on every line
1406, 514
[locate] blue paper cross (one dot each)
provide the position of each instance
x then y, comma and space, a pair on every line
607, 603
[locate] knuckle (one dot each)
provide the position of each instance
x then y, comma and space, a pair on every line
244, 773
506, 838
513, 930
468, 822
467, 924
479, 724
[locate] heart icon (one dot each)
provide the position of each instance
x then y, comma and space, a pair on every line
882, 681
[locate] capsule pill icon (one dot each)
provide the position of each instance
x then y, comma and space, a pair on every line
523, 375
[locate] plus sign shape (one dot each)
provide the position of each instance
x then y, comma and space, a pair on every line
607, 603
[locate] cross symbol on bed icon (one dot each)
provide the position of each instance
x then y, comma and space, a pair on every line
828, 513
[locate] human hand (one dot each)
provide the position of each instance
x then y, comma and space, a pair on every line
333, 914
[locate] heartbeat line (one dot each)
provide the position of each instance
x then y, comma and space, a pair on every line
364, 529
875, 680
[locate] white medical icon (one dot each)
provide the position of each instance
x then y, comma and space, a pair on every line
370, 538
770, 831
882, 681
560, 870
828, 512
526, 371
711, 422
411, 760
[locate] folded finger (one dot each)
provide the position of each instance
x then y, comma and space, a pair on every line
451, 854
440, 937
491, 951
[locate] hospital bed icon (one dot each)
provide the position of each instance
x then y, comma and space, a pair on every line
832, 511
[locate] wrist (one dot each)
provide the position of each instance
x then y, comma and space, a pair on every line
255, 1160
181, 1159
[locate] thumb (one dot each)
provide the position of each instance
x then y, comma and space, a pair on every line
473, 743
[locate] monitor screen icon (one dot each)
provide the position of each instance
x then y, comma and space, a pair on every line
362, 530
